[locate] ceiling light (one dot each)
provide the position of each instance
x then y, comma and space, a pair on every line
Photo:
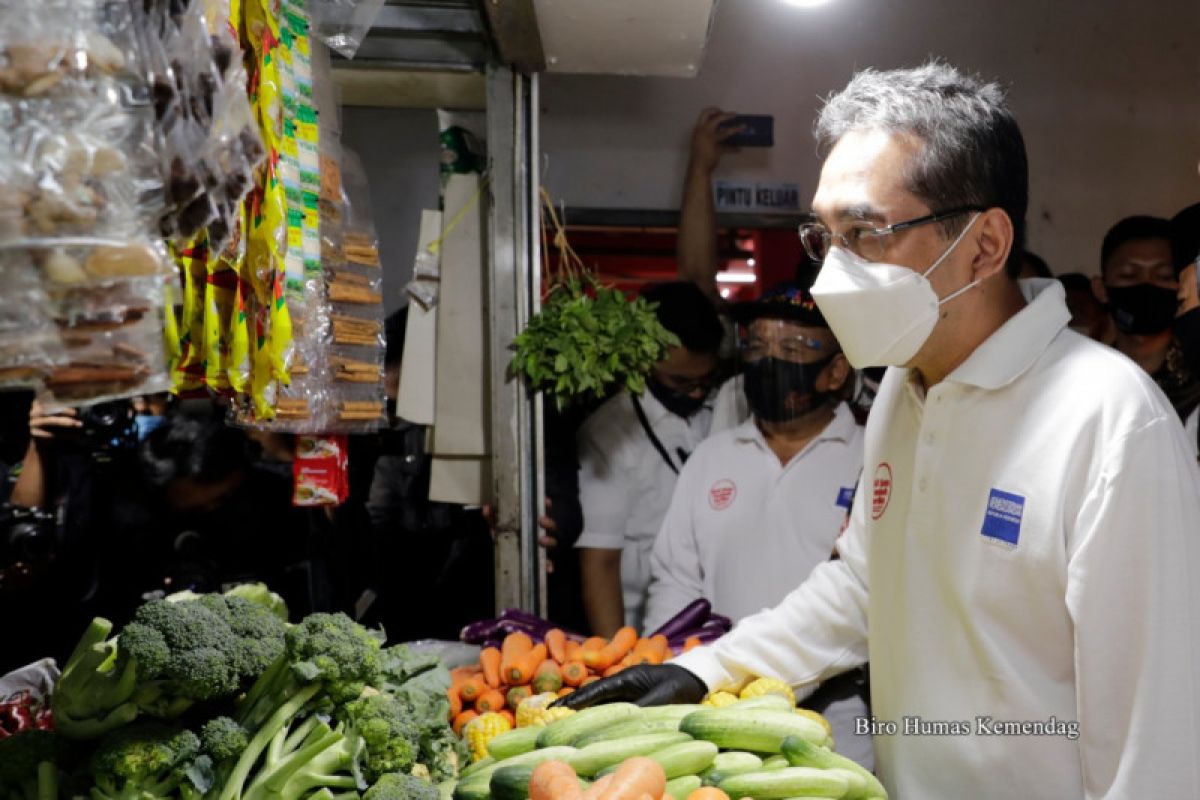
750, 262
805, 3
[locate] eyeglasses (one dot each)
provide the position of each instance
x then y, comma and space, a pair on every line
866, 242
790, 348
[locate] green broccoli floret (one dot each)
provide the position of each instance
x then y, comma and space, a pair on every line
263, 596
390, 732
258, 631
94, 693
442, 752
27, 769
223, 739
145, 762
398, 786
328, 657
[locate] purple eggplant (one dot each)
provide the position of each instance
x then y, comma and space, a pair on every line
724, 621
478, 631
690, 618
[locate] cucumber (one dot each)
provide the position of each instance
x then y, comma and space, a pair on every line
759, 731
474, 767
685, 758
802, 753
776, 762
477, 785
630, 727
512, 782
726, 765
513, 743
786, 783
765, 702
675, 711
595, 757
681, 787
576, 726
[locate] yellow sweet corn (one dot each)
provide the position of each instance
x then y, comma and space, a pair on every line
482, 730
720, 699
763, 686
815, 717
535, 711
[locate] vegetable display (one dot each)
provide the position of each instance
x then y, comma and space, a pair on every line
760, 747
216, 697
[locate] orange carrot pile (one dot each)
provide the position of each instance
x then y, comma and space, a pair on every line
519, 668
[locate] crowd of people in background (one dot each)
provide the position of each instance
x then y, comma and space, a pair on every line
729, 479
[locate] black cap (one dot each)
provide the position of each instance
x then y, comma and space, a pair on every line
786, 301
1185, 236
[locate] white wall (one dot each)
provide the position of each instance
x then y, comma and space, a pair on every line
1107, 93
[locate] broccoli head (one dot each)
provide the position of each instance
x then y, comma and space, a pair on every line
94, 693
144, 761
335, 649
390, 734
258, 632
223, 739
442, 752
398, 786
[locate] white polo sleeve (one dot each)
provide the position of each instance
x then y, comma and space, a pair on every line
818, 631
604, 492
1131, 591
676, 574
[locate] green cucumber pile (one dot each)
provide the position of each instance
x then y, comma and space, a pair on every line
757, 748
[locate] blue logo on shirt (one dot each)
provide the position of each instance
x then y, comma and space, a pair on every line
845, 496
1002, 520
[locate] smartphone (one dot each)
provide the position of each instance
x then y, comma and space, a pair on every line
758, 130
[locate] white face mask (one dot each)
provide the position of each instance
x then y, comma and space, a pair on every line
881, 313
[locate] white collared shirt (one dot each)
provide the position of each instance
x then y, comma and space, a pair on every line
1024, 547
625, 486
743, 529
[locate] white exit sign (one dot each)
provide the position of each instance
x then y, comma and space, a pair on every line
756, 196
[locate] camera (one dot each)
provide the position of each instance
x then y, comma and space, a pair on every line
28, 541
105, 428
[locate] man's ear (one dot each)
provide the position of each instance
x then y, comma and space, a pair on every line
993, 233
1099, 290
835, 375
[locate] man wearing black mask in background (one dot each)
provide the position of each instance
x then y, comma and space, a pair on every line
630, 453
1185, 250
759, 506
1138, 282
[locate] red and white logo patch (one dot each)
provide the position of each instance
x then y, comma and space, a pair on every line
881, 490
722, 494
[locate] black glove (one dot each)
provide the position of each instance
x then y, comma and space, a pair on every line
645, 685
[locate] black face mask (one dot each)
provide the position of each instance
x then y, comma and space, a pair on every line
1142, 308
769, 382
678, 403
1187, 331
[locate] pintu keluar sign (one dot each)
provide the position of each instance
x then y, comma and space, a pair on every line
756, 196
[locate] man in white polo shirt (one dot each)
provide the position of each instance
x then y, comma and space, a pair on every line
758, 506
1021, 559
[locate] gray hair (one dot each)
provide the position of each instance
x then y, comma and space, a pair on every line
972, 151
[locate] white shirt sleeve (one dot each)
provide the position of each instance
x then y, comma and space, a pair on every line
603, 496
1132, 595
676, 574
1190, 428
818, 631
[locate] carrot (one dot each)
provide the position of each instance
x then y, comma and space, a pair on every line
589, 679
508, 715
460, 674
594, 643
637, 777
574, 673
462, 719
691, 643
661, 649
597, 789
566, 690
472, 689
515, 646
489, 660
612, 652
556, 643
455, 703
554, 780
573, 650
516, 694
548, 677
521, 670
491, 700
613, 670
708, 793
